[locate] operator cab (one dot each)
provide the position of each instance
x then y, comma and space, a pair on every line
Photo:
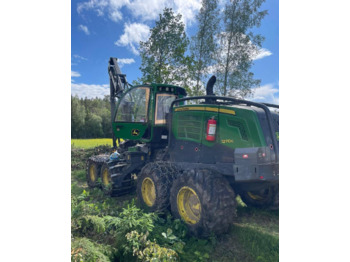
141, 112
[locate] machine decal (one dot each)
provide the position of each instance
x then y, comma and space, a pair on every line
135, 132
226, 141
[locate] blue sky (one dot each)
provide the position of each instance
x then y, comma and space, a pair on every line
104, 28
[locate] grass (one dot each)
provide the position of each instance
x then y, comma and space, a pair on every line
91, 143
253, 237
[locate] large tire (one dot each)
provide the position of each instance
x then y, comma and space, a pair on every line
216, 199
92, 173
106, 182
153, 186
260, 199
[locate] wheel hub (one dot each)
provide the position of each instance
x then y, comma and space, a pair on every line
92, 172
188, 205
148, 191
105, 177
255, 196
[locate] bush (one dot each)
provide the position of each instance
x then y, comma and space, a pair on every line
124, 235
83, 249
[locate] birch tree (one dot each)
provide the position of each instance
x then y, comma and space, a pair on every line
203, 44
238, 46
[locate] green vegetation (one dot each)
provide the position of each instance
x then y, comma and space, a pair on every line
238, 45
204, 44
115, 229
91, 143
90, 118
163, 54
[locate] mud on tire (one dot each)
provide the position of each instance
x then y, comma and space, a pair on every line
216, 197
156, 177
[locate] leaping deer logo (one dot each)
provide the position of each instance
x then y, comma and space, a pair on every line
135, 132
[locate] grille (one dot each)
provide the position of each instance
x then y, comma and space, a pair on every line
189, 126
240, 127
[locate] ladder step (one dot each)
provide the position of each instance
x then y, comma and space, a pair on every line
117, 166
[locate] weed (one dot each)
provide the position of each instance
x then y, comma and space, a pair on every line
84, 249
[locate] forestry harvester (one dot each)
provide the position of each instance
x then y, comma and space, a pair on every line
190, 155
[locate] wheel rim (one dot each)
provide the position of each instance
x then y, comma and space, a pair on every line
92, 173
148, 191
255, 197
105, 177
188, 205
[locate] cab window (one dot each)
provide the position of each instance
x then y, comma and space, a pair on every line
163, 102
133, 106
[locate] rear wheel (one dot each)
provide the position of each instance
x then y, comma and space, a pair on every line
262, 198
205, 201
92, 173
93, 167
153, 186
106, 179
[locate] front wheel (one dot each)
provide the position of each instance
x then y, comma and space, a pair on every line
205, 201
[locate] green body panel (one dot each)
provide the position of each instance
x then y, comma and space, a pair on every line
133, 131
136, 130
236, 127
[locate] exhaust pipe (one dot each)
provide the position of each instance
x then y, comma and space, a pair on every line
210, 86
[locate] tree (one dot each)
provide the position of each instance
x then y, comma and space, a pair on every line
77, 118
238, 46
93, 126
163, 54
203, 44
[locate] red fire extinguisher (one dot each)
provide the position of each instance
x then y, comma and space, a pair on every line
211, 129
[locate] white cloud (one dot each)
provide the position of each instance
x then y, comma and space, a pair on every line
97, 5
78, 59
262, 52
111, 7
125, 61
84, 28
266, 93
133, 34
89, 91
188, 9
114, 7
141, 9
75, 74
145, 10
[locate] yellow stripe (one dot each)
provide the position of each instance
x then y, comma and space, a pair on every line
227, 111
212, 109
201, 108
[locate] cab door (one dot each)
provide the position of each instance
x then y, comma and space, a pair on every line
131, 118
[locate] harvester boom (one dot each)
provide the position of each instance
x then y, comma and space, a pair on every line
117, 84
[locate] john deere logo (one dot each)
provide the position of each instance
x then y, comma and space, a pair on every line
135, 132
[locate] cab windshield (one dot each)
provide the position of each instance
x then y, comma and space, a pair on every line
162, 107
133, 106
